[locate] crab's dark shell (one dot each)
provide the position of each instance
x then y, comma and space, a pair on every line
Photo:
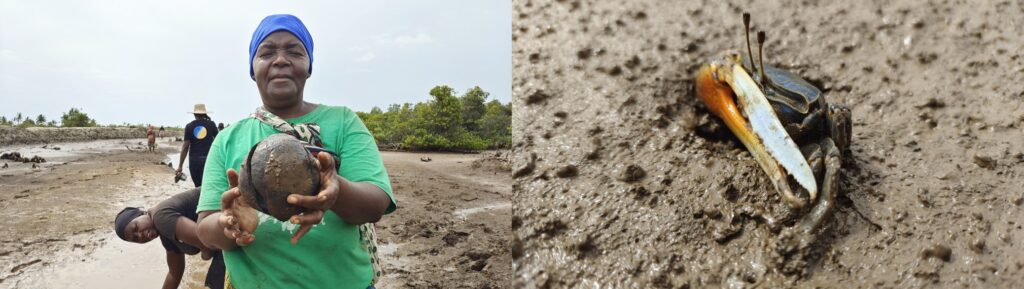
275, 168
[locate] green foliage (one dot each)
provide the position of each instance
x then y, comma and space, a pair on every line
473, 107
76, 118
25, 122
28, 122
496, 124
445, 122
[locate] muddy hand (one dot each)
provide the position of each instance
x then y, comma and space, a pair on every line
238, 219
323, 201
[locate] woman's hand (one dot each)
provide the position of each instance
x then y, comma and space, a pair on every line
238, 219
206, 254
329, 190
233, 225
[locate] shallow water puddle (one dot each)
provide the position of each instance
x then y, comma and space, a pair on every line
463, 213
116, 264
393, 265
387, 253
174, 158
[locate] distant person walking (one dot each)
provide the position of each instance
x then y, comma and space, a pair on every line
151, 138
199, 134
160, 133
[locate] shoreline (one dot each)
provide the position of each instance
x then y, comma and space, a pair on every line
36, 135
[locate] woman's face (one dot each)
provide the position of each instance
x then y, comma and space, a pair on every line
140, 230
281, 68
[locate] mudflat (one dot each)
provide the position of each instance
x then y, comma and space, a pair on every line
451, 229
451, 226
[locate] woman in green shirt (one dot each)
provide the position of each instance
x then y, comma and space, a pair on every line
334, 251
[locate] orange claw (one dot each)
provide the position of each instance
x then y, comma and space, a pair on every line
717, 87
720, 100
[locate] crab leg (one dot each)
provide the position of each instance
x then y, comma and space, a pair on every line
764, 136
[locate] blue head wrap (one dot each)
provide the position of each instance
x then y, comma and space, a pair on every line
278, 22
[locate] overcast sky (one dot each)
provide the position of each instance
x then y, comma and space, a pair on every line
150, 61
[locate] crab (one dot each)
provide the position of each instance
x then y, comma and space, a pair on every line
785, 122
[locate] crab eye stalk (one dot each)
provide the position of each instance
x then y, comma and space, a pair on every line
760, 53
746, 31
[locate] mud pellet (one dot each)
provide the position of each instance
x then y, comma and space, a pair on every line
567, 171
977, 245
984, 162
632, 173
937, 251
726, 233
712, 213
537, 97
584, 54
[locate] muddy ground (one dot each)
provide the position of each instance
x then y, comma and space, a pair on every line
57, 231
451, 229
635, 185
451, 226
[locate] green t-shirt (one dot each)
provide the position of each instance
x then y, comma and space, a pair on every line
330, 254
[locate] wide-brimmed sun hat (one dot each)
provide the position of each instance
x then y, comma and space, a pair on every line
199, 108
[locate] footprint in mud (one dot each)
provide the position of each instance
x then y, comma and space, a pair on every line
455, 237
478, 259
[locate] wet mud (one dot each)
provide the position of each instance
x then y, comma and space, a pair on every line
57, 231
451, 229
622, 178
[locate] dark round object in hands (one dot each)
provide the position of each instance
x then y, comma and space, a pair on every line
276, 167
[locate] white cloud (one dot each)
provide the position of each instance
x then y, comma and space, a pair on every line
405, 40
359, 48
7, 55
176, 55
366, 57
